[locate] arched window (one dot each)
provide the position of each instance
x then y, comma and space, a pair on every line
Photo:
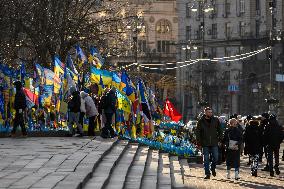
163, 26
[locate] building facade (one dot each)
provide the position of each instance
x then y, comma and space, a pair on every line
224, 28
152, 40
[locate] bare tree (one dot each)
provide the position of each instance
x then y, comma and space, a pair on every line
48, 27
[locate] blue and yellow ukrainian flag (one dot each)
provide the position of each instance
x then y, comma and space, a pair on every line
116, 81
127, 87
59, 67
97, 75
95, 57
81, 56
124, 103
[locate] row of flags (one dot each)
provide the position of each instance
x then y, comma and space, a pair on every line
50, 86
95, 59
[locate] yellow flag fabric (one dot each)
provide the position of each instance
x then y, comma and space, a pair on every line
97, 74
58, 67
123, 102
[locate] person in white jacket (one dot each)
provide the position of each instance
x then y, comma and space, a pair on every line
91, 111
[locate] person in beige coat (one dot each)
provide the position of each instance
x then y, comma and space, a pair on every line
91, 112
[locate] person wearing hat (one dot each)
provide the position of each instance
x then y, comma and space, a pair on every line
20, 106
273, 138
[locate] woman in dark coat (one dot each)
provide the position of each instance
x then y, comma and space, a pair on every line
233, 140
253, 145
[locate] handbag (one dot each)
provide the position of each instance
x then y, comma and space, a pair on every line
232, 144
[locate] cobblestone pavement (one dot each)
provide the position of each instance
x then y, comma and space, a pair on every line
49, 162
194, 174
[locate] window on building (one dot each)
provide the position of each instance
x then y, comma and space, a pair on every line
187, 75
242, 6
242, 29
214, 31
163, 26
242, 50
257, 5
142, 45
188, 10
257, 27
227, 51
163, 46
227, 8
228, 30
188, 33
214, 52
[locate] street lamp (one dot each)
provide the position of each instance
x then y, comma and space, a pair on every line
271, 101
204, 8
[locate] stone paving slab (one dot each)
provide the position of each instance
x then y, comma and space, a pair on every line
49, 162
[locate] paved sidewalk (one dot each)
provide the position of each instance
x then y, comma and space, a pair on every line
194, 173
49, 162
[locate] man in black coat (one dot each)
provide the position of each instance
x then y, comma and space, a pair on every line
252, 138
109, 108
20, 106
208, 136
273, 138
263, 124
74, 112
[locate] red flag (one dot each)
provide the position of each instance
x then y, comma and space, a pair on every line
169, 110
33, 97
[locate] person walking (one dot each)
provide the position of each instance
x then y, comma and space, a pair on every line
208, 136
233, 140
273, 138
109, 109
20, 106
252, 139
91, 112
263, 124
246, 122
74, 106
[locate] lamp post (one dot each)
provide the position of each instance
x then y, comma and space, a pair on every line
204, 8
271, 101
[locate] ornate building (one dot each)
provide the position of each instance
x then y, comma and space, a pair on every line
152, 37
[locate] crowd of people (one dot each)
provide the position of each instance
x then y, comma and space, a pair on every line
219, 140
256, 137
98, 110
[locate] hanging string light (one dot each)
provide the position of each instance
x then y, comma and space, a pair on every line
194, 61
